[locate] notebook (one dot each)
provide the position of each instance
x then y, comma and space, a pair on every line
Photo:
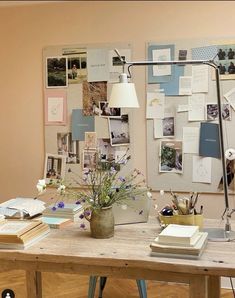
132, 211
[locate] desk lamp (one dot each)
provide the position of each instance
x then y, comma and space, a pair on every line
124, 92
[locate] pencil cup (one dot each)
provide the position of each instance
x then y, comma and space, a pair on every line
198, 221
187, 219
166, 220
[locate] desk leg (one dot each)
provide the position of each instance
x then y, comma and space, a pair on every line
213, 286
34, 284
197, 286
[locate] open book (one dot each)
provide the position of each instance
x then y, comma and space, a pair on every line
21, 207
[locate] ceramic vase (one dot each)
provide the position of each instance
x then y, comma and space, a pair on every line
102, 223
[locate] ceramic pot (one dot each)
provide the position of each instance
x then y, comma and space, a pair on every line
102, 223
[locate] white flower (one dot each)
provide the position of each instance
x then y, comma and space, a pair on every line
149, 195
61, 188
41, 185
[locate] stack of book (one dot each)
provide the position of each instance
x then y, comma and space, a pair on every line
22, 208
71, 211
179, 241
20, 234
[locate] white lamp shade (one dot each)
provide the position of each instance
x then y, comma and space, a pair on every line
123, 95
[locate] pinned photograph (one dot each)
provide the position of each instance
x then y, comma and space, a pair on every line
168, 127
54, 167
56, 72
119, 131
171, 157
105, 111
93, 93
77, 67
89, 159
68, 147
226, 56
212, 112
90, 140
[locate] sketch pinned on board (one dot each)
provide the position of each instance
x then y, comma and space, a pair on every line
106, 111
54, 168
119, 130
90, 140
68, 147
201, 170
230, 97
55, 107
93, 93
212, 112
155, 105
171, 157
56, 72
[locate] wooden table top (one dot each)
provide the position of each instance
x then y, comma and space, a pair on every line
129, 248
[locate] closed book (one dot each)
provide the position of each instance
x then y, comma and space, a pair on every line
56, 222
15, 228
179, 234
27, 235
209, 144
180, 251
27, 243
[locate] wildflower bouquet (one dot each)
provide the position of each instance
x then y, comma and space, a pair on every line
100, 187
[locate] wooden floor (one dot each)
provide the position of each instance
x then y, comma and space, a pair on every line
68, 286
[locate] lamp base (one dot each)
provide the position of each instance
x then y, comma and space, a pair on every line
219, 234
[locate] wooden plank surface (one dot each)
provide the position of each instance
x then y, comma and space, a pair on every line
129, 248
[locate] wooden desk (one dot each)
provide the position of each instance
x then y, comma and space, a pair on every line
126, 255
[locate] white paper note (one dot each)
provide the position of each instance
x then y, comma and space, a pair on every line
196, 104
185, 85
191, 139
200, 74
182, 108
201, 169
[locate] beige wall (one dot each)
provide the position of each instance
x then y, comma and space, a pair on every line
26, 30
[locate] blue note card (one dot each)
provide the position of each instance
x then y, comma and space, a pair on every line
209, 144
81, 124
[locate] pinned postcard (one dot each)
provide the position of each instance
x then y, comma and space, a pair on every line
160, 73
155, 105
97, 65
81, 124
201, 169
191, 139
